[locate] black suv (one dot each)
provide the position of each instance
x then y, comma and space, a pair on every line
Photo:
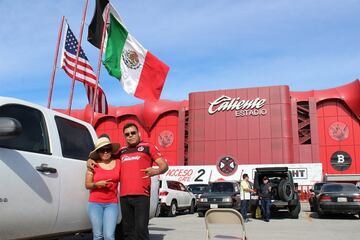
284, 194
219, 195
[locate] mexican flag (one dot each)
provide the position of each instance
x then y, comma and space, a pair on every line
140, 73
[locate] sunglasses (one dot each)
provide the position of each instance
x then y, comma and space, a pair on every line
107, 149
128, 134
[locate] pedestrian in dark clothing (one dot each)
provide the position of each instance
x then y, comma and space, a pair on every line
265, 196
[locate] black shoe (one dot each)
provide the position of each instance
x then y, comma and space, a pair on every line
267, 220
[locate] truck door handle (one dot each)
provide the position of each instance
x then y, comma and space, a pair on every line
45, 169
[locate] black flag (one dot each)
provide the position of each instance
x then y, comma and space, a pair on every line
97, 23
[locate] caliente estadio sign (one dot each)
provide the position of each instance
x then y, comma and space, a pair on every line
241, 107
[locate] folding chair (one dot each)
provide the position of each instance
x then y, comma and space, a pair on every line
225, 216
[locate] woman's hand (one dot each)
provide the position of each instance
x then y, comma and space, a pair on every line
103, 183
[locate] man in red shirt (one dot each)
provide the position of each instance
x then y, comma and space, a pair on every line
137, 159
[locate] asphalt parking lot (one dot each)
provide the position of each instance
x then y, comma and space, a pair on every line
308, 226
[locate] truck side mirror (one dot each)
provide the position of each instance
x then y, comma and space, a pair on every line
9, 128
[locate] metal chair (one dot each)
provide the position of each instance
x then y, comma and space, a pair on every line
225, 216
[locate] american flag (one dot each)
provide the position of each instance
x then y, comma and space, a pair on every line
84, 71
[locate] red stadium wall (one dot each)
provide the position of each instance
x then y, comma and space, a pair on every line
161, 123
250, 139
264, 125
164, 133
305, 152
335, 128
339, 130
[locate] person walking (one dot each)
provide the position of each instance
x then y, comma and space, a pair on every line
103, 208
265, 197
245, 191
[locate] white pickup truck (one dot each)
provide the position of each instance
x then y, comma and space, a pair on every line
43, 157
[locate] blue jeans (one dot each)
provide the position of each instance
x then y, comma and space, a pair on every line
244, 208
103, 217
265, 205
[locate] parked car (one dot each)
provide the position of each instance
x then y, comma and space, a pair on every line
175, 197
283, 189
220, 195
338, 198
43, 157
314, 192
197, 190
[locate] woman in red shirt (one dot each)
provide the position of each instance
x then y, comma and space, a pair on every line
103, 208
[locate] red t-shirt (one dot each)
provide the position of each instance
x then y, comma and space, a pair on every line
133, 159
108, 194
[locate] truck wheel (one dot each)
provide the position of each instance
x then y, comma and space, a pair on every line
201, 213
294, 211
192, 207
286, 191
172, 210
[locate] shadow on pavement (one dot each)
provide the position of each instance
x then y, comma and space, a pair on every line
179, 213
160, 229
278, 215
157, 236
335, 216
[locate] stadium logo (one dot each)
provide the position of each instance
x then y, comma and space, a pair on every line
253, 107
226, 166
166, 138
339, 131
341, 160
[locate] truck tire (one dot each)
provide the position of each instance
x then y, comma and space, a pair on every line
192, 207
172, 209
286, 190
201, 213
295, 210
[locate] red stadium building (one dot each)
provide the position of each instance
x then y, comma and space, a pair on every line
263, 125
272, 125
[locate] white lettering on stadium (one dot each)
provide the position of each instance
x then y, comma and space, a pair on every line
242, 107
127, 158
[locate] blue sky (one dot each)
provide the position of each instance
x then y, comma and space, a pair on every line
208, 44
